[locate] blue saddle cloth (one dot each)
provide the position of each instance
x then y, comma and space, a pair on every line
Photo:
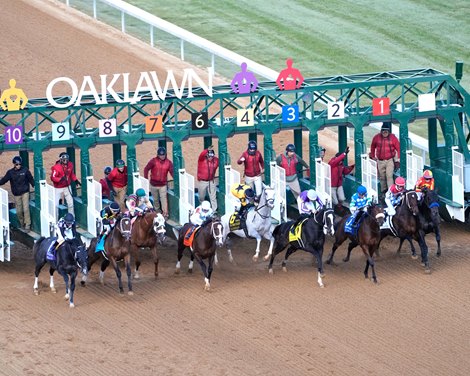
50, 254
349, 226
100, 245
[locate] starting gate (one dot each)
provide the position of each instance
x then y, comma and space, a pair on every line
95, 205
369, 176
414, 168
457, 186
4, 227
49, 210
278, 182
323, 181
231, 177
186, 201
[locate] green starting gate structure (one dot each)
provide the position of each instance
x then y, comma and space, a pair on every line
447, 126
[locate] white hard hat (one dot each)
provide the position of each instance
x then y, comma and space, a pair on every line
312, 195
205, 205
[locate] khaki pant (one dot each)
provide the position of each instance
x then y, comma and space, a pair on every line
385, 170
256, 183
294, 187
67, 195
22, 210
210, 188
160, 195
121, 197
337, 195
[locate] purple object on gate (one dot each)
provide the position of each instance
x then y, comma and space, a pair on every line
13, 135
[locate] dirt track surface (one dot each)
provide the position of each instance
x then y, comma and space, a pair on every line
251, 323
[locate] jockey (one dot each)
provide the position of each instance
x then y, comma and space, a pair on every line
359, 202
201, 214
308, 203
244, 195
66, 230
425, 181
143, 201
394, 195
109, 216
131, 205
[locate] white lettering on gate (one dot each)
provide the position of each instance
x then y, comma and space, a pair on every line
50, 97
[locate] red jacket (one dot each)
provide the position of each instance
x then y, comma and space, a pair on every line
206, 167
338, 169
104, 188
159, 170
384, 148
117, 178
253, 163
62, 175
289, 165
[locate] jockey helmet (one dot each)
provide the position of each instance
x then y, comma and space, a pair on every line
64, 157
312, 195
108, 170
250, 193
69, 219
140, 192
400, 182
427, 174
120, 163
362, 190
290, 147
17, 160
132, 197
114, 207
205, 206
161, 151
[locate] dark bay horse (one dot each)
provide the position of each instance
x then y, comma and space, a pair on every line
311, 239
406, 224
146, 231
206, 239
429, 219
117, 247
70, 257
368, 237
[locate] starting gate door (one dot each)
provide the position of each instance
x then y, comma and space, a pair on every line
278, 182
323, 181
140, 182
186, 195
231, 177
414, 168
369, 177
49, 209
95, 204
457, 186
4, 227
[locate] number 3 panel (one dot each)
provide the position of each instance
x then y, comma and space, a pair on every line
107, 127
60, 131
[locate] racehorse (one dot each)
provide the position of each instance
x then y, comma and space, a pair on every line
429, 220
116, 248
146, 231
70, 257
311, 239
368, 237
206, 239
258, 224
406, 225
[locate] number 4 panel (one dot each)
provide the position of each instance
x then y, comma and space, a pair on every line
245, 117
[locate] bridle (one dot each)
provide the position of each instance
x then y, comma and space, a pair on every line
269, 203
217, 231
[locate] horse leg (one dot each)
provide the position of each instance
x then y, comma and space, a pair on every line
37, 270
340, 237
155, 259
318, 255
258, 243
290, 251
413, 249
277, 249
118, 274
228, 245
271, 246
73, 275
369, 252
67, 287
104, 265
51, 282
351, 246
127, 261
191, 263
438, 240
424, 252
135, 254
201, 262
210, 267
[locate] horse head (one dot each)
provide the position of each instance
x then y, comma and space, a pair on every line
431, 200
411, 202
159, 227
217, 230
81, 257
327, 220
124, 227
270, 194
375, 211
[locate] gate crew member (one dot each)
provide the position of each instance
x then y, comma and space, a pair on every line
385, 148
425, 181
118, 179
288, 161
394, 195
207, 165
62, 176
106, 186
201, 214
159, 168
338, 170
254, 164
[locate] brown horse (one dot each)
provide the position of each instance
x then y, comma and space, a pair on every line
368, 237
146, 231
406, 224
116, 248
206, 239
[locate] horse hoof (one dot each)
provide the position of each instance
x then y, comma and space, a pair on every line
82, 283
284, 269
190, 271
427, 271
270, 271
136, 276
36, 292
66, 297
230, 259
53, 290
177, 271
322, 275
72, 305
438, 254
266, 258
102, 281
414, 257
130, 293
255, 258
345, 259
322, 286
207, 287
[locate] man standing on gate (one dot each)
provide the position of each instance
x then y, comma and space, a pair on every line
385, 149
288, 161
206, 167
338, 170
118, 179
62, 176
254, 165
159, 168
20, 178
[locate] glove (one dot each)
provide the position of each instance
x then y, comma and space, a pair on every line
397, 165
78, 183
391, 211
346, 151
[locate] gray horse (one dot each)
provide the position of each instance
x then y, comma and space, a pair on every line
258, 222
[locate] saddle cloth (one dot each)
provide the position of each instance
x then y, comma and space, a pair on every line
100, 245
234, 222
350, 227
188, 242
50, 254
388, 225
295, 233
